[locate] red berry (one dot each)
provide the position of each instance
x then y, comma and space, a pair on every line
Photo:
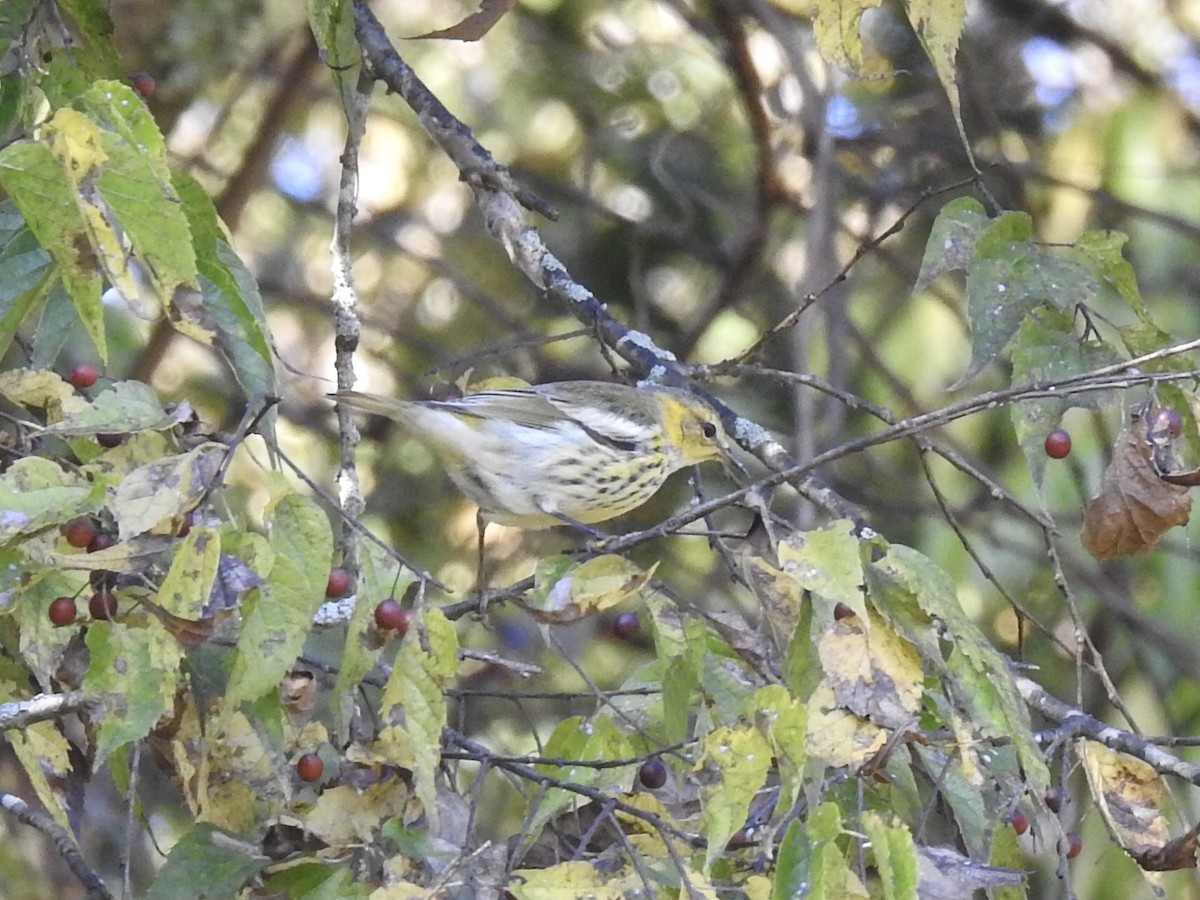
740, 838
626, 626
1058, 443
1074, 844
1054, 799
338, 584
143, 83
843, 611
84, 375
102, 540
79, 532
103, 605
391, 616
108, 441
63, 611
653, 774
1019, 821
309, 767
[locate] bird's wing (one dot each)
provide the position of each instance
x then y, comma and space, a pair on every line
521, 406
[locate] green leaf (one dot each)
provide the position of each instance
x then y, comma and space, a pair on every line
415, 698
316, 881
14, 22
1045, 348
1103, 250
951, 244
199, 866
93, 52
735, 763
37, 492
962, 793
134, 671
229, 312
125, 407
26, 273
1006, 852
188, 583
895, 856
793, 870
910, 591
827, 562
41, 644
831, 877
580, 738
277, 620
136, 185
164, 489
55, 328
332, 23
35, 182
786, 722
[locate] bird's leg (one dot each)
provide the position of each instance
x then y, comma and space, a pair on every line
481, 576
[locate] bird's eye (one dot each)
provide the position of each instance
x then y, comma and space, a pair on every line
708, 429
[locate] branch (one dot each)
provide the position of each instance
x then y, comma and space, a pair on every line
1075, 723
487, 759
23, 713
500, 198
63, 843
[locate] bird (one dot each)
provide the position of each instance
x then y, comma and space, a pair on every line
573, 452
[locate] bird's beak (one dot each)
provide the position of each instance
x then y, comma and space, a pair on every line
732, 465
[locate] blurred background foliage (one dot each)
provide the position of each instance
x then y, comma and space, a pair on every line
711, 171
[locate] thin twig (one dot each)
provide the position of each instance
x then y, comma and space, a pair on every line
62, 841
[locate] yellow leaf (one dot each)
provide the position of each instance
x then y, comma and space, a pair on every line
41, 389
587, 589
1129, 794
873, 673
344, 815
838, 737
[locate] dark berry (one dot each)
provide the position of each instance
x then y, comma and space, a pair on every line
63, 611
109, 441
338, 584
1019, 821
1074, 844
626, 626
309, 767
101, 541
103, 605
391, 616
1058, 443
84, 375
102, 579
843, 611
185, 525
653, 774
1054, 799
143, 83
79, 532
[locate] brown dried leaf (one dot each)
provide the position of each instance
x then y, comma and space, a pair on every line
1135, 506
474, 26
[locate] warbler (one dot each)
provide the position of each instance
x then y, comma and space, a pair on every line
577, 452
